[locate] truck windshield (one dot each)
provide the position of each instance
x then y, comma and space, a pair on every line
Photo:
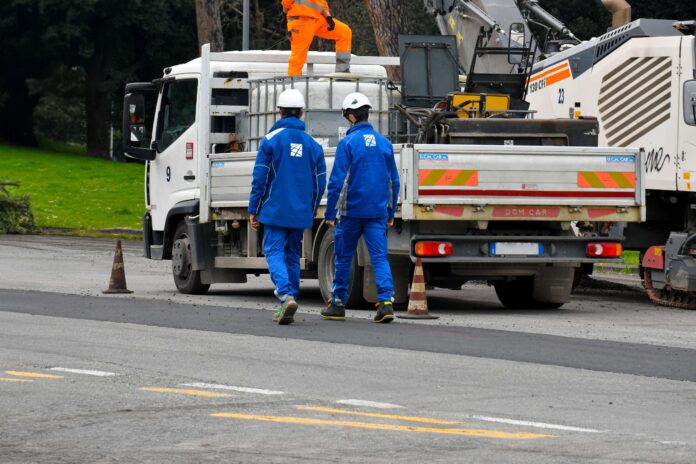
178, 111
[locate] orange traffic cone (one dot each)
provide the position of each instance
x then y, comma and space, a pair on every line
418, 301
117, 283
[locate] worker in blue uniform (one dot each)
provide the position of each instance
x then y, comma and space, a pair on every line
289, 179
362, 197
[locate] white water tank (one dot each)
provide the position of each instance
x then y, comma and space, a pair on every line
324, 96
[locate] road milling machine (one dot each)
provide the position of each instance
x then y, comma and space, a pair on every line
639, 80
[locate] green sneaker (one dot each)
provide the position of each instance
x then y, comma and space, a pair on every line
334, 311
286, 311
385, 312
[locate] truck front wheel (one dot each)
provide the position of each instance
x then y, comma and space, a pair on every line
325, 266
519, 294
186, 279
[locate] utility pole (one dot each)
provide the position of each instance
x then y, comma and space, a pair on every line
245, 26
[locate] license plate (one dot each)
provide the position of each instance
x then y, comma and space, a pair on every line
516, 249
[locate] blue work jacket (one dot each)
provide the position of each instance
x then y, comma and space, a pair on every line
364, 181
289, 176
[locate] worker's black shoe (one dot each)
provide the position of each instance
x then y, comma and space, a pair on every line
385, 312
334, 311
286, 311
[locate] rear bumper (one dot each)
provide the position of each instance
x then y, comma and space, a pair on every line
476, 250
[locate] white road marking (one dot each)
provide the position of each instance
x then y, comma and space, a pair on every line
541, 425
369, 404
213, 386
84, 372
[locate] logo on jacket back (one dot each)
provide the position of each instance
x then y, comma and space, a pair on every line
296, 150
370, 140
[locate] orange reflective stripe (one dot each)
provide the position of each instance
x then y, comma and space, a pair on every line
615, 180
555, 69
565, 74
445, 177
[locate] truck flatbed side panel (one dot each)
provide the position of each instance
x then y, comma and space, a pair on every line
467, 182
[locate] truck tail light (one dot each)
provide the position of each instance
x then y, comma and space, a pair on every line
604, 250
433, 248
189, 150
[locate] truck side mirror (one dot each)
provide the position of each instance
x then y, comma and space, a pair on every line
136, 139
690, 103
516, 40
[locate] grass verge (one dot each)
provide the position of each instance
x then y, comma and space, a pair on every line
75, 191
630, 257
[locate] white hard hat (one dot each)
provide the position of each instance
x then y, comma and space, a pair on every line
291, 98
356, 100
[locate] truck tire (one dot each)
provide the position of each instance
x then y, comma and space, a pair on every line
325, 265
518, 294
186, 279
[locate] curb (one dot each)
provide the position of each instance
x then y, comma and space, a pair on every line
114, 231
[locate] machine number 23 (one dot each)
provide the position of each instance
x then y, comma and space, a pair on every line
561, 96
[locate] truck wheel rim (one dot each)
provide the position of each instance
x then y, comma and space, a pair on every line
181, 264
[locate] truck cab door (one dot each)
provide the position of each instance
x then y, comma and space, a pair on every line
173, 172
686, 177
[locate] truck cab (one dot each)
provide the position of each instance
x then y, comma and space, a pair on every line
172, 149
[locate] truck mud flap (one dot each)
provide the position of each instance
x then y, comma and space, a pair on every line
202, 251
147, 235
553, 284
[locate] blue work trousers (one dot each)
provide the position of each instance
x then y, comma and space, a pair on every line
283, 247
346, 236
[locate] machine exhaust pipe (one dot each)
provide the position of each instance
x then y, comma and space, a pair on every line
620, 12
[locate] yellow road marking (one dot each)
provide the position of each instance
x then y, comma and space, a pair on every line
5, 379
34, 374
184, 391
397, 428
426, 420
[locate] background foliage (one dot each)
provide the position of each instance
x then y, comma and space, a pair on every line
15, 212
65, 62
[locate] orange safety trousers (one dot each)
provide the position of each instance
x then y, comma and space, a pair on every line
302, 32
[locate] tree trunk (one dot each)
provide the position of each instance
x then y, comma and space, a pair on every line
209, 24
260, 37
389, 19
98, 95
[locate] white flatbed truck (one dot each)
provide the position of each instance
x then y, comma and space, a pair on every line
500, 213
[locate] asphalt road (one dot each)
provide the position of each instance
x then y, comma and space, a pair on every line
161, 377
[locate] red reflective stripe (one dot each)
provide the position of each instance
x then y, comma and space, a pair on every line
530, 193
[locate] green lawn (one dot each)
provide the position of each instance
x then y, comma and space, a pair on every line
630, 257
76, 191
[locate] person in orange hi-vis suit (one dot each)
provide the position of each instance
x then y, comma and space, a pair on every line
309, 18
